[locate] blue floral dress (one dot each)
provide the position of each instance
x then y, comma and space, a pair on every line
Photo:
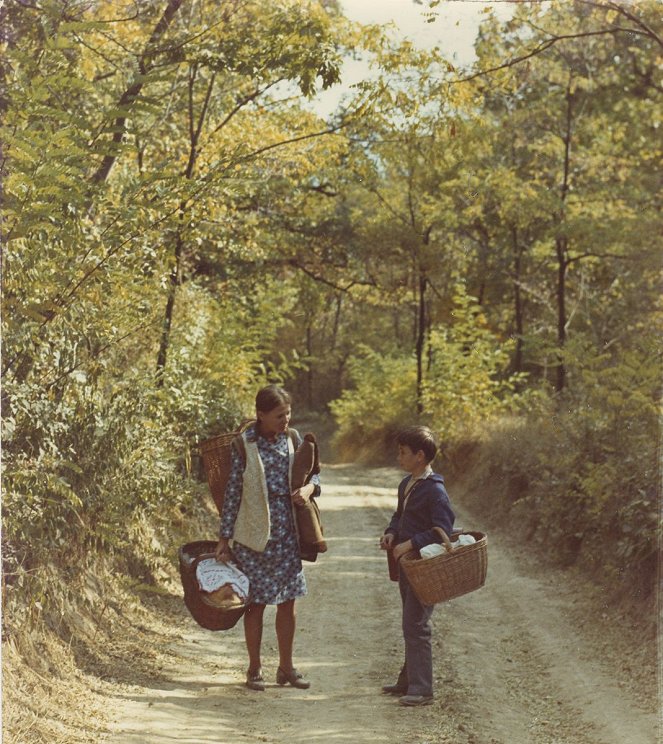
276, 574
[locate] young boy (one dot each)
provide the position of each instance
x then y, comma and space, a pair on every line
423, 503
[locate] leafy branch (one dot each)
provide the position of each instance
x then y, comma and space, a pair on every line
131, 93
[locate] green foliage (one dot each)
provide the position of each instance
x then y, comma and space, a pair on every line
382, 399
134, 234
69, 490
465, 385
612, 434
580, 475
467, 380
580, 472
221, 351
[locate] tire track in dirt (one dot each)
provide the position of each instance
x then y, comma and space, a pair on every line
510, 668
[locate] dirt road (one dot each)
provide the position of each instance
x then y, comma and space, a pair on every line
513, 661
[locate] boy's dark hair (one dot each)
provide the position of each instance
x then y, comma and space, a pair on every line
419, 438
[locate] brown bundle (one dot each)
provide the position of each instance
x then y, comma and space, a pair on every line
225, 598
306, 463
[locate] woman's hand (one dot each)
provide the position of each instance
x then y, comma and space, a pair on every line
402, 548
387, 541
222, 552
303, 495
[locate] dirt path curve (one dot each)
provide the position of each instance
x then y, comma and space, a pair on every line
511, 666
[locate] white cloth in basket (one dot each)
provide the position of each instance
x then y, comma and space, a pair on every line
212, 575
430, 551
464, 540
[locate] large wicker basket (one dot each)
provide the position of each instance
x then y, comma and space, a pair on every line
451, 574
212, 618
217, 458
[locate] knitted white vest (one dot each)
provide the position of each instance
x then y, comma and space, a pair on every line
252, 525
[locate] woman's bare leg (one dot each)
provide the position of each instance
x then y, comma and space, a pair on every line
285, 633
253, 635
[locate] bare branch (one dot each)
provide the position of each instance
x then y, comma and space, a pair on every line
542, 47
592, 254
324, 188
318, 278
292, 140
113, 342
619, 8
240, 104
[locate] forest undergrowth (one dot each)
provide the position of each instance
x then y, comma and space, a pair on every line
58, 674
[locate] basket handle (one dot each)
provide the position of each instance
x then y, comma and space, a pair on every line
445, 539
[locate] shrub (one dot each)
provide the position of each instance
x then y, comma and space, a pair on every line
381, 400
467, 381
580, 472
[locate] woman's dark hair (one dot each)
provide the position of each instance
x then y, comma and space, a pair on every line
272, 397
419, 438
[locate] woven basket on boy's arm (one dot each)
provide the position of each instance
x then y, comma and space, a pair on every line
457, 571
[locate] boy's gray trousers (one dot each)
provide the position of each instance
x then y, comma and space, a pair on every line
417, 633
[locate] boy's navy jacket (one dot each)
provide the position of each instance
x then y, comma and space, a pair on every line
427, 507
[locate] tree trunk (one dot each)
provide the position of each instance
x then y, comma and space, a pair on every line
517, 301
421, 336
560, 380
562, 245
131, 93
309, 373
176, 274
337, 321
175, 281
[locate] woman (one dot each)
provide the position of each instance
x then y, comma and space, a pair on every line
258, 517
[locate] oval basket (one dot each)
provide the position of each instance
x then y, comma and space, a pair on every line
458, 571
211, 618
217, 459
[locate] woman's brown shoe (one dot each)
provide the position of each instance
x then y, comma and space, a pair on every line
293, 677
255, 681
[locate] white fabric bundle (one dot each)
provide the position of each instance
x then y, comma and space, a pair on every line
464, 540
430, 551
212, 575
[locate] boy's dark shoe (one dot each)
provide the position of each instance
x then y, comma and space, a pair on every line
397, 689
414, 700
400, 688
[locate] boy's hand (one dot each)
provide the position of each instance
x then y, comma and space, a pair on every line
387, 541
402, 548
